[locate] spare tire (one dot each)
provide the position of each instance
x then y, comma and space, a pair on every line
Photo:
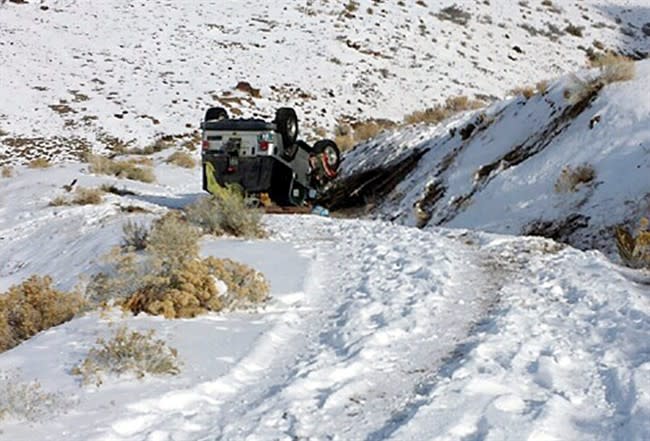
216, 114
286, 122
331, 153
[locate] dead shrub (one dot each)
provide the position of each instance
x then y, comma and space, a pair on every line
82, 196
34, 306
39, 163
125, 276
226, 212
23, 400
612, 69
526, 91
127, 169
368, 129
440, 112
245, 286
135, 236
542, 87
200, 286
7, 172
634, 248
181, 159
571, 178
171, 280
88, 196
616, 70
172, 241
128, 352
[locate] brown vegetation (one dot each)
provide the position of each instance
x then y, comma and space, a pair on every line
82, 196
634, 248
572, 177
440, 112
31, 307
172, 280
226, 213
128, 352
39, 163
127, 169
181, 159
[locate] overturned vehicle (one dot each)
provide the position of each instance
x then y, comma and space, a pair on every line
265, 158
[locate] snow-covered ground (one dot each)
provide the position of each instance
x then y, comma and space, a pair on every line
73, 72
503, 179
375, 331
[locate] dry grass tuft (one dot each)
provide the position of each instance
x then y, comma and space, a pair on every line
26, 400
171, 280
348, 135
571, 178
440, 112
181, 159
226, 213
34, 306
88, 196
526, 91
128, 169
542, 87
39, 163
135, 236
128, 352
634, 249
82, 196
7, 172
612, 69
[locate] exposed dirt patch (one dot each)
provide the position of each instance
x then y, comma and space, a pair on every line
369, 186
559, 230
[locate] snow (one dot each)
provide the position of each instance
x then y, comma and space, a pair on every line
375, 330
135, 70
513, 198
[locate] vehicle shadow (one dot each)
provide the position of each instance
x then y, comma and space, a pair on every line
175, 203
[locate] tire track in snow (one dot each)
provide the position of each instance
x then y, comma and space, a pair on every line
397, 302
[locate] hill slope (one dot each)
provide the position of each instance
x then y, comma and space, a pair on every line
76, 75
514, 173
373, 332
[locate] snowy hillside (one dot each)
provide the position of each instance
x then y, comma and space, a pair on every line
433, 318
374, 332
75, 75
513, 173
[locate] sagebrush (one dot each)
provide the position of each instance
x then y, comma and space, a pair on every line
170, 279
571, 178
135, 235
128, 352
226, 212
26, 400
34, 306
440, 112
127, 169
81, 196
634, 247
181, 159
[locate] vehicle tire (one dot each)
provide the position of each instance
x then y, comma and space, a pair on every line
331, 151
286, 122
216, 114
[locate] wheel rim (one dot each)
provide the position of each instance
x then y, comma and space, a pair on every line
332, 156
292, 128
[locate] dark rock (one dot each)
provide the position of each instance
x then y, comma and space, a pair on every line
646, 29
